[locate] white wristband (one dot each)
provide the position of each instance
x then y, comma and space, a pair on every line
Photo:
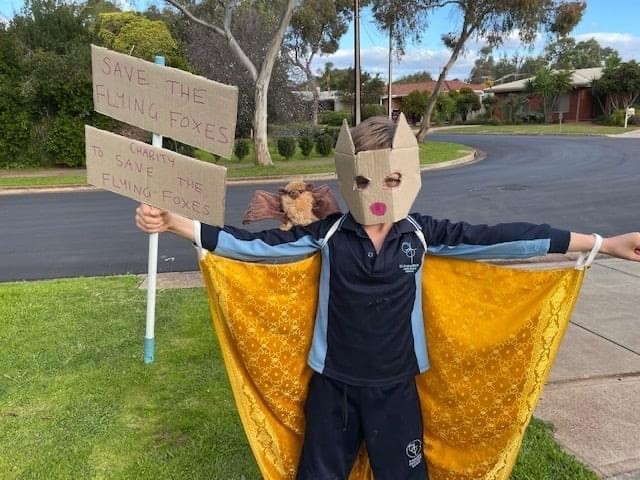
197, 238
597, 245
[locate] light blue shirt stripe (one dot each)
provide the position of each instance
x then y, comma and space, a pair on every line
259, 251
506, 250
417, 325
318, 351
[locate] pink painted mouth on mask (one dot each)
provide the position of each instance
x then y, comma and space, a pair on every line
378, 208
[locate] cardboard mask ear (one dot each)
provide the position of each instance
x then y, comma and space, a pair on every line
404, 137
345, 142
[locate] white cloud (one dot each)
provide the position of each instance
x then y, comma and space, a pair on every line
375, 60
626, 44
511, 42
126, 5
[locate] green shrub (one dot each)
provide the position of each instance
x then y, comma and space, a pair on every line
306, 145
369, 111
287, 147
324, 144
65, 143
335, 119
617, 118
242, 148
15, 138
333, 132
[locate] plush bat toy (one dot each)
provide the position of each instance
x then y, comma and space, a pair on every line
297, 203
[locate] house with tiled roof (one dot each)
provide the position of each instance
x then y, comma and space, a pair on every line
577, 105
401, 90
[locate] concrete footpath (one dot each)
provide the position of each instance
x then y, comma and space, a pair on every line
593, 393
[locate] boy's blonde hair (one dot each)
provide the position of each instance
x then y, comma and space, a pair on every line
375, 133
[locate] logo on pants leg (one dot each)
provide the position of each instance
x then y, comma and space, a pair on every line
414, 452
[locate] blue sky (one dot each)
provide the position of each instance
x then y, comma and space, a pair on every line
614, 23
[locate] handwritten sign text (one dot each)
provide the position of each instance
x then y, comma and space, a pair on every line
156, 176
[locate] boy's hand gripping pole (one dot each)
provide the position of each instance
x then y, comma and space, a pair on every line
152, 272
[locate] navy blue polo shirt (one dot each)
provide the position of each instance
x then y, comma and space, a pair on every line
369, 329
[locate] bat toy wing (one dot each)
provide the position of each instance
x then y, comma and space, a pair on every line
264, 205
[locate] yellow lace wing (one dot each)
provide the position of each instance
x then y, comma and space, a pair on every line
492, 332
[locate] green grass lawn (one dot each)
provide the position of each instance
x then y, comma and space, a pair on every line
430, 152
45, 181
555, 129
77, 402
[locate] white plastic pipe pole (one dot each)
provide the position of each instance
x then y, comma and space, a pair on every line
152, 272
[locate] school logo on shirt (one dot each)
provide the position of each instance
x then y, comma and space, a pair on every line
410, 252
414, 452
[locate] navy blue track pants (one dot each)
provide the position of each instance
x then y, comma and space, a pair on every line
339, 417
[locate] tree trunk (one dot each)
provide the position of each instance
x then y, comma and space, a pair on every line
316, 105
261, 78
545, 109
426, 119
263, 157
262, 87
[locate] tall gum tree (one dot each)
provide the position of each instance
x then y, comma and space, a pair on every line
261, 74
315, 29
488, 20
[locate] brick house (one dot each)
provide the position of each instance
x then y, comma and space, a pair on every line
398, 91
578, 105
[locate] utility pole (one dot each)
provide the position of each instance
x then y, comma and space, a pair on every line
357, 60
389, 108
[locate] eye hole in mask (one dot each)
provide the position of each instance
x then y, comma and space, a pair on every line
392, 180
361, 183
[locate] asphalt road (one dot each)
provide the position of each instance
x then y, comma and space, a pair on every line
586, 184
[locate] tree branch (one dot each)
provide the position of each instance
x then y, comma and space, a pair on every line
276, 42
448, 2
191, 16
226, 33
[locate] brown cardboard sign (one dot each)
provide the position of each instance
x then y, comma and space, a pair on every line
165, 100
378, 203
156, 176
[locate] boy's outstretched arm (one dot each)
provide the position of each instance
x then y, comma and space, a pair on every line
155, 220
625, 246
516, 240
237, 243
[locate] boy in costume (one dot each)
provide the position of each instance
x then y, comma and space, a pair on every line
368, 341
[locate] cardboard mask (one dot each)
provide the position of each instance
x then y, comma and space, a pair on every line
376, 202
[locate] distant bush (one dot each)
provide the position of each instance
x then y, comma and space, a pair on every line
324, 144
242, 148
65, 142
531, 117
306, 145
369, 111
287, 147
15, 136
616, 118
635, 119
297, 129
335, 119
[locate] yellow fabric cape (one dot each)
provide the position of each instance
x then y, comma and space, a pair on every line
492, 333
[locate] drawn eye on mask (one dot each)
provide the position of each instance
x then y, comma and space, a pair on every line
390, 181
